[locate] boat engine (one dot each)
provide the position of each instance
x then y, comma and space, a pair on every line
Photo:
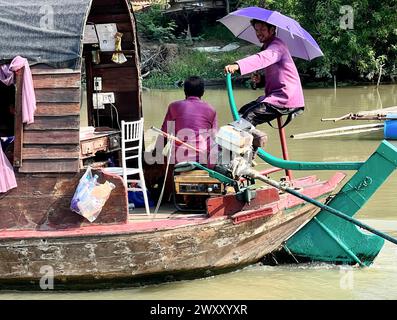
239, 142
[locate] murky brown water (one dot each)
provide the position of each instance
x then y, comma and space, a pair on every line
307, 281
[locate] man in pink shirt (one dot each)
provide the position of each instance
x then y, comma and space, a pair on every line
283, 89
193, 121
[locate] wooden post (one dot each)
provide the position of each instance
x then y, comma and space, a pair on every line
334, 82
380, 75
89, 74
284, 148
18, 125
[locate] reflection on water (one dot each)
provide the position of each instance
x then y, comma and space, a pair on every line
307, 281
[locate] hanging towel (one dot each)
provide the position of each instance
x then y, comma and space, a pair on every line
7, 176
28, 96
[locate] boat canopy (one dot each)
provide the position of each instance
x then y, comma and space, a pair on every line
43, 31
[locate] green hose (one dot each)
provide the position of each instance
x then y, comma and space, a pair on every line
287, 164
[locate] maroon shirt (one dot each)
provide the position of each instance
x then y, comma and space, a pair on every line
283, 86
193, 121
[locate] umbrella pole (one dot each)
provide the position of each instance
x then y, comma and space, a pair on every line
284, 148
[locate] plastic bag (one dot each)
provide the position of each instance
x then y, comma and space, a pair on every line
90, 196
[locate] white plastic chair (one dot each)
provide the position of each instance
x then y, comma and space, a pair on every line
131, 148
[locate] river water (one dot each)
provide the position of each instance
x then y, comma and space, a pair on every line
305, 281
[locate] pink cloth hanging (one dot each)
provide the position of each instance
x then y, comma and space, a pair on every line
28, 96
7, 175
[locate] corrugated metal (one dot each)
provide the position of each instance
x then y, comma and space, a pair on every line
43, 31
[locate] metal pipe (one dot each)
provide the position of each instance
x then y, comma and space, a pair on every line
284, 148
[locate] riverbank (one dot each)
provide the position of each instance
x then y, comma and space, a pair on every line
167, 65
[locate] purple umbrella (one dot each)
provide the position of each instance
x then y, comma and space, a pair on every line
300, 43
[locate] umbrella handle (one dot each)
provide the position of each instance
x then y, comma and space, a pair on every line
290, 32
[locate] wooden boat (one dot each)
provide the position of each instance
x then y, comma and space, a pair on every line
41, 237
39, 230
141, 249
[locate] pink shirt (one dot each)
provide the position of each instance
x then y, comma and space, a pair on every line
283, 86
7, 176
193, 121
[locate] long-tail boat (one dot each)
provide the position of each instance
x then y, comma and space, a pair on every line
41, 237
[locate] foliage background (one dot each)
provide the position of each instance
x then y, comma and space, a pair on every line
349, 54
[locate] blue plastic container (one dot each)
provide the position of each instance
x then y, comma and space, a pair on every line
136, 197
390, 128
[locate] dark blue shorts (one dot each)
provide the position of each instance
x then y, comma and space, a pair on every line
259, 112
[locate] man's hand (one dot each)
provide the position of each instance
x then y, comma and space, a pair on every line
256, 78
232, 68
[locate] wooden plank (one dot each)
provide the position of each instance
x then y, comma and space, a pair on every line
51, 195
105, 18
124, 27
52, 137
127, 39
53, 165
42, 69
54, 123
340, 131
128, 105
51, 152
114, 9
57, 109
89, 88
118, 79
19, 136
109, 3
63, 80
58, 95
107, 63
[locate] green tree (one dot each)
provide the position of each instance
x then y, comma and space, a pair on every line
153, 24
356, 52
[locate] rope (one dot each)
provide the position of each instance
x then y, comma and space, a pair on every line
165, 178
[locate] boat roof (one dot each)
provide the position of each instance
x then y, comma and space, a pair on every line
43, 31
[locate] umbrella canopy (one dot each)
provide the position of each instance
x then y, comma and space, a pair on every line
300, 43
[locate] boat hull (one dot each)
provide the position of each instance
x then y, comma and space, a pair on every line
200, 249
153, 249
